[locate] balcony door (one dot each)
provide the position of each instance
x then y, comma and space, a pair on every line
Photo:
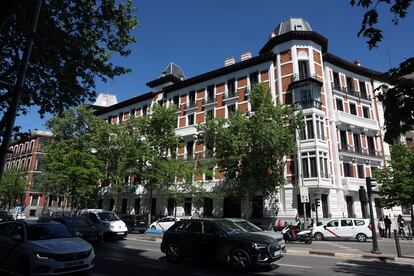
303, 69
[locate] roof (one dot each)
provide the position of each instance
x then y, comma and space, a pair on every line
340, 62
134, 100
292, 24
221, 71
173, 69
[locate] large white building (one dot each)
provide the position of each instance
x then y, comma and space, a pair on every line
343, 138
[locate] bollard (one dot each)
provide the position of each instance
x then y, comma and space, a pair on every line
397, 243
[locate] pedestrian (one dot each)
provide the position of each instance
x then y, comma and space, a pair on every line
401, 225
387, 223
381, 227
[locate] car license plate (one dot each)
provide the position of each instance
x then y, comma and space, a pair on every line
142, 222
120, 233
277, 253
70, 264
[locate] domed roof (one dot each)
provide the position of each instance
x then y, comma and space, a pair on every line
292, 24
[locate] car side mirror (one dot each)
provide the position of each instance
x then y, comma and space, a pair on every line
324, 226
17, 238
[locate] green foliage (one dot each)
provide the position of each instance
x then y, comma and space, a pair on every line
397, 179
399, 9
399, 101
73, 46
70, 165
12, 186
251, 150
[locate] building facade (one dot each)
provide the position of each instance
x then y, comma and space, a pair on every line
25, 156
340, 145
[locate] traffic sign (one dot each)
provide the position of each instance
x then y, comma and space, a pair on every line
304, 195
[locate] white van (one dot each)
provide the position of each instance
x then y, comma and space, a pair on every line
106, 221
344, 228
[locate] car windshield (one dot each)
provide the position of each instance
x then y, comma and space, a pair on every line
230, 227
74, 222
107, 216
247, 226
47, 232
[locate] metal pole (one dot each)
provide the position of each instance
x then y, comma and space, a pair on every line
375, 249
17, 93
301, 175
316, 210
397, 243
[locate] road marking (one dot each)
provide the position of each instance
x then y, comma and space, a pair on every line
298, 266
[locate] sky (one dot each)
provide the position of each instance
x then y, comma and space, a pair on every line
199, 35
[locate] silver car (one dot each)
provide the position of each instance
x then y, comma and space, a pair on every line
247, 226
42, 248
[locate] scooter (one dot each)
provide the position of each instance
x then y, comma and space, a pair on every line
300, 236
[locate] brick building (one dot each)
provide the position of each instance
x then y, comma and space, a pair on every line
25, 156
340, 145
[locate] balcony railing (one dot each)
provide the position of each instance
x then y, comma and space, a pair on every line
351, 119
308, 104
350, 91
298, 77
192, 104
359, 150
231, 95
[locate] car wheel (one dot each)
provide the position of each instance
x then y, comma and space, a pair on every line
361, 237
24, 267
319, 236
153, 227
173, 253
240, 259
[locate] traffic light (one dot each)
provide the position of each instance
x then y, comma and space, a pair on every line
317, 203
362, 195
371, 183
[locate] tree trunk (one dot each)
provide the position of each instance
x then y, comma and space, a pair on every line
412, 217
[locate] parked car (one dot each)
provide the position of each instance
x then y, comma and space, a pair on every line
164, 223
82, 228
17, 215
5, 216
134, 223
43, 247
220, 239
252, 228
108, 222
344, 228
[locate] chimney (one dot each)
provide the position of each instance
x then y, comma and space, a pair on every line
357, 62
246, 55
229, 61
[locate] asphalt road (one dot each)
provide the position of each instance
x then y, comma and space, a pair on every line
135, 257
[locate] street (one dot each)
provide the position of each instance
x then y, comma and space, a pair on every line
139, 257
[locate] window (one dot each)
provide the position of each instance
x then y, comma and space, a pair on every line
365, 110
210, 114
339, 104
320, 128
231, 109
35, 199
191, 119
357, 143
307, 132
257, 206
343, 136
176, 101
348, 170
363, 90
193, 226
332, 223
191, 99
360, 170
359, 222
305, 168
371, 144
337, 83
303, 69
231, 89
352, 108
120, 117
254, 78
349, 84
132, 113
144, 110
313, 167
189, 148
309, 166
323, 164
210, 93
346, 223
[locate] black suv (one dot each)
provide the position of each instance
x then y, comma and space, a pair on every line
220, 239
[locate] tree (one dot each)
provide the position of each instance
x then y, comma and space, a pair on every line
251, 150
12, 186
70, 162
397, 179
399, 98
74, 43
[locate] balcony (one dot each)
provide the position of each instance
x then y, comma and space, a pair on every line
209, 100
351, 92
191, 105
299, 77
359, 151
231, 95
308, 104
352, 184
354, 120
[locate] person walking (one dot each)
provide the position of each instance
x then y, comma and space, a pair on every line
387, 223
381, 227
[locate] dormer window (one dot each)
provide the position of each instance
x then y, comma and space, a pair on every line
298, 27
